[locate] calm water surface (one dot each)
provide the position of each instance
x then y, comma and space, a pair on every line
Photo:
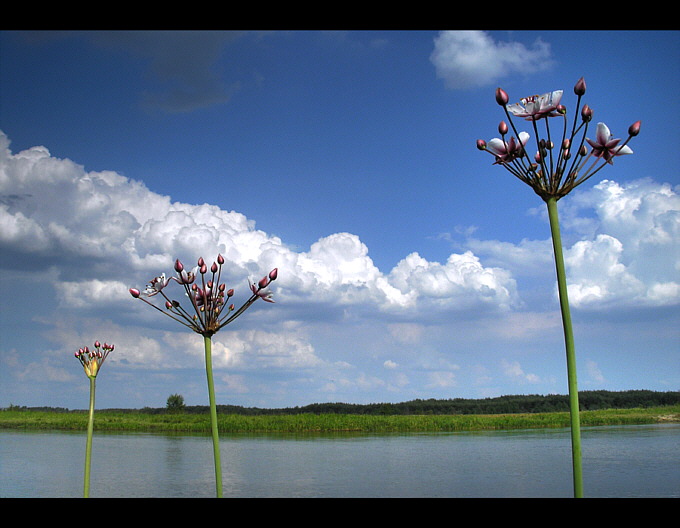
627, 461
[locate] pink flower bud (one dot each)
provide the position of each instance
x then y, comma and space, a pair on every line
263, 282
168, 304
502, 128
220, 259
634, 129
580, 87
501, 97
481, 144
586, 113
273, 274
213, 268
178, 266
230, 292
201, 262
204, 268
134, 292
97, 344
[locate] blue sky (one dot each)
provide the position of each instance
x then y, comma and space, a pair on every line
409, 265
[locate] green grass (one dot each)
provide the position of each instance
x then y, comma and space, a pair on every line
327, 423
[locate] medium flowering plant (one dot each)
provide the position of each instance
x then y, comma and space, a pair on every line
553, 172
206, 309
92, 361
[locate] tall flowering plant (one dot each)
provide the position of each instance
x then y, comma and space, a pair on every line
553, 172
206, 309
92, 361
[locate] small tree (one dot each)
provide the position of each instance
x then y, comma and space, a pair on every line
175, 403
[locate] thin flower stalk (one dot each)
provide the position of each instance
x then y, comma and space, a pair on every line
206, 308
91, 361
554, 171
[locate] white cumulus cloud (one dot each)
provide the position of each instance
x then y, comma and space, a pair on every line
467, 59
101, 231
631, 256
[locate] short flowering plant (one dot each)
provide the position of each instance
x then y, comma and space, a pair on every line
206, 308
555, 169
91, 361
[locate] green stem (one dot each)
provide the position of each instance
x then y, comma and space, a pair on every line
569, 345
213, 415
88, 447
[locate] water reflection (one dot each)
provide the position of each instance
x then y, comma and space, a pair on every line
630, 461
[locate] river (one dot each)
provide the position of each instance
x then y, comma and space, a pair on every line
618, 461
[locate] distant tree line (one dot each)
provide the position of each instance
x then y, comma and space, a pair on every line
532, 403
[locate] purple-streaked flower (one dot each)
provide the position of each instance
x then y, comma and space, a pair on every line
509, 150
156, 285
260, 289
184, 276
605, 147
262, 293
537, 106
92, 360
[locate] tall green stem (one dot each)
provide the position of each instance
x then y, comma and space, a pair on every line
88, 447
213, 415
569, 344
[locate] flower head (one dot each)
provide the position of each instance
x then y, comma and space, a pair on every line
605, 147
92, 360
556, 167
205, 309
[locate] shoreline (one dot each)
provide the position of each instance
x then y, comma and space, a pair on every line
106, 421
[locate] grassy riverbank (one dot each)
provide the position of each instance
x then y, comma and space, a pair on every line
327, 423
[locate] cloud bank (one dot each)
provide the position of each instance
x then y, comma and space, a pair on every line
103, 232
89, 236
106, 232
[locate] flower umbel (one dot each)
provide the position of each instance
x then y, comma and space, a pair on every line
556, 168
208, 299
92, 360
